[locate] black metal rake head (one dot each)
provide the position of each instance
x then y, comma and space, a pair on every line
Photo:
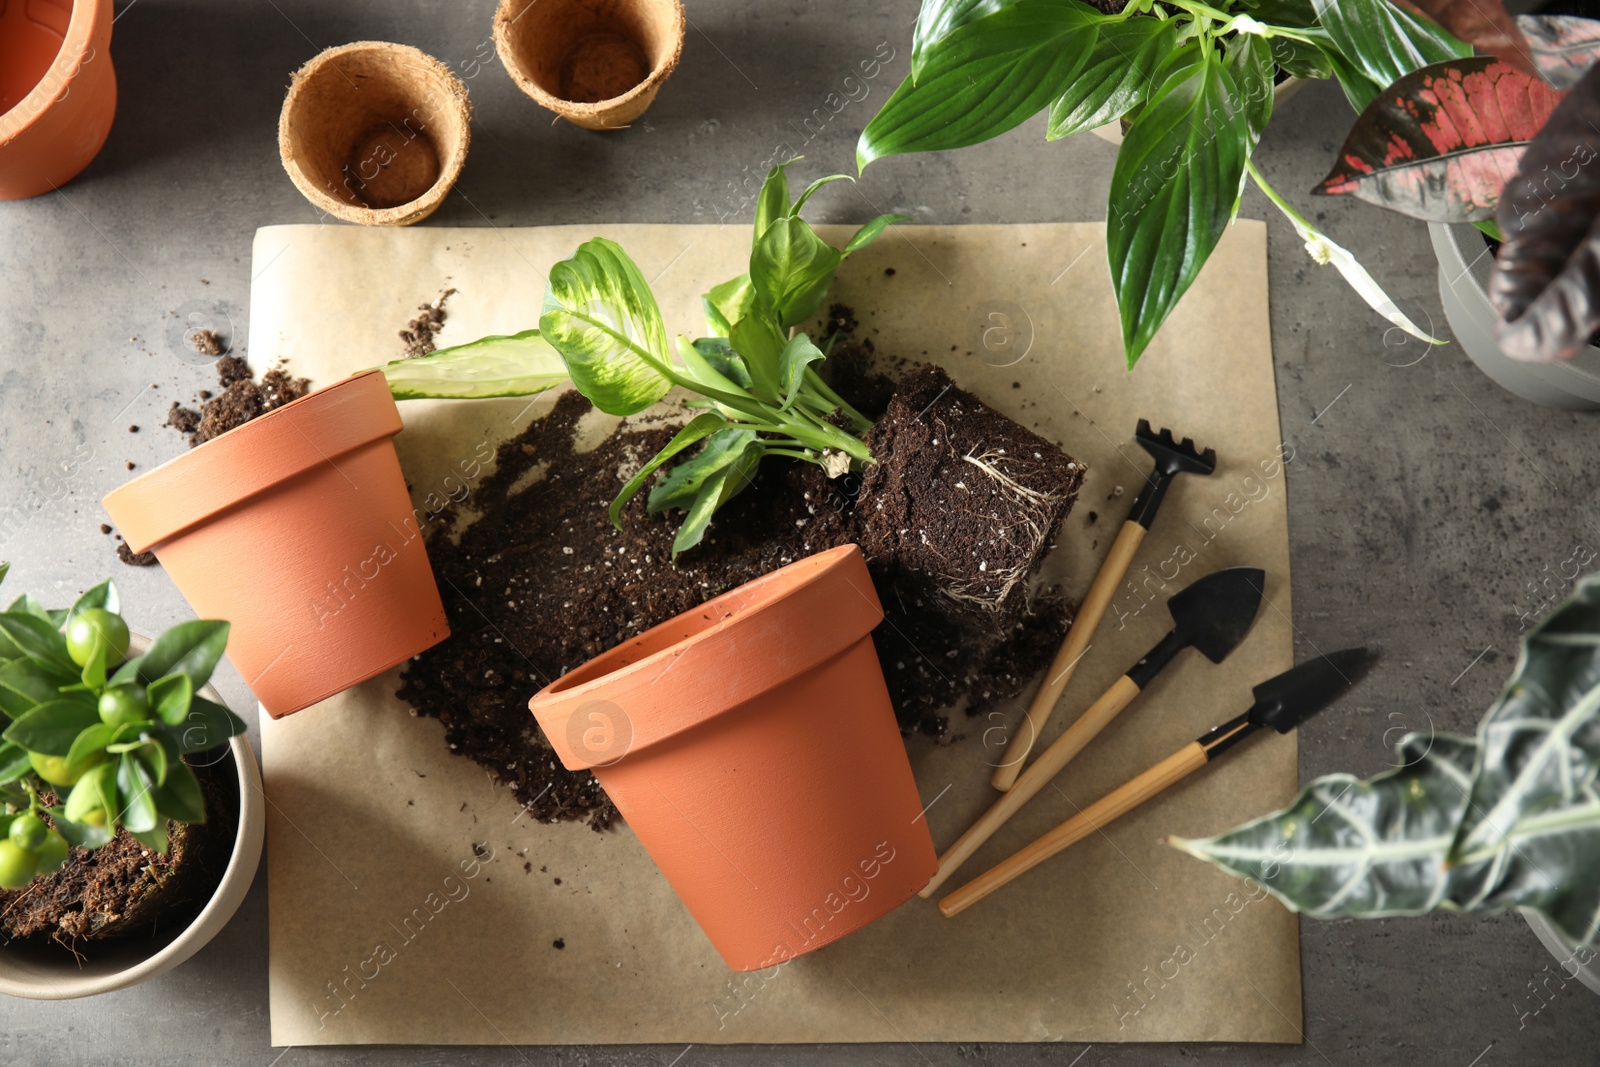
1173, 456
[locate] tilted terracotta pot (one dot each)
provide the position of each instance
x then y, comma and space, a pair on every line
58, 92
296, 527
751, 746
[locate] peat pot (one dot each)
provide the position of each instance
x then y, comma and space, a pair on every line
751, 746
297, 528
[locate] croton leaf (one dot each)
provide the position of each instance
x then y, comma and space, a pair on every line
1173, 190
520, 364
1440, 143
600, 315
1114, 78
1564, 47
1543, 279
1376, 43
1485, 24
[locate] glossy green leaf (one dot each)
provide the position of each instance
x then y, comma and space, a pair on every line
93, 738
103, 596
1300, 58
985, 78
600, 315
192, 648
792, 269
134, 789
153, 756
871, 232
681, 486
797, 355
79, 834
14, 762
1173, 190
1249, 61
939, 18
698, 429
180, 797
1114, 78
50, 728
93, 676
25, 684
95, 791
39, 640
207, 725
759, 343
1373, 43
27, 605
712, 360
772, 203
520, 364
170, 697
727, 303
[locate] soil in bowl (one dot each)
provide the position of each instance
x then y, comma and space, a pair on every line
125, 890
539, 581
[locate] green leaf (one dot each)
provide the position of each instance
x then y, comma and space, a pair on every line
170, 697
154, 840
14, 763
128, 672
93, 677
1373, 43
727, 303
939, 18
698, 429
24, 685
81, 835
813, 187
772, 203
208, 725
39, 640
94, 738
797, 355
1173, 190
759, 342
682, 484
26, 605
984, 78
50, 728
95, 791
712, 361
1300, 58
103, 596
723, 484
153, 755
192, 648
1114, 78
1249, 60
792, 269
521, 364
600, 315
870, 232
134, 787
180, 798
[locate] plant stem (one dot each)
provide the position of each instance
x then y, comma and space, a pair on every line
1272, 194
861, 423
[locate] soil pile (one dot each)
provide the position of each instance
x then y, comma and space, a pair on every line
241, 399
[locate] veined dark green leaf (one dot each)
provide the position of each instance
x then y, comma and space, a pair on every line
1115, 77
192, 648
38, 639
600, 315
797, 355
871, 232
520, 364
1374, 43
985, 78
939, 18
1173, 190
50, 728
792, 269
698, 429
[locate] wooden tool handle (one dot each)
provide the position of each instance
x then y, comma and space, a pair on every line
1084, 623
1119, 801
1050, 761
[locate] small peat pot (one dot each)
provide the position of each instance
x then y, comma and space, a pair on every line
751, 745
40, 969
1464, 265
297, 528
58, 92
375, 133
596, 63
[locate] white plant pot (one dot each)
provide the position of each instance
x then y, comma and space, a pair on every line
49, 972
1569, 959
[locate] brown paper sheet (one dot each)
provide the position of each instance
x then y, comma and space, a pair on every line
386, 926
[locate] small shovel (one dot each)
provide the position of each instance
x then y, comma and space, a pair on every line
1213, 614
1172, 459
1282, 703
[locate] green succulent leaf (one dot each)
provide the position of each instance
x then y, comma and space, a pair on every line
792, 269
14, 762
984, 78
699, 428
1373, 43
1173, 191
39, 639
1115, 77
600, 315
50, 728
520, 364
170, 697
191, 648
870, 233
797, 355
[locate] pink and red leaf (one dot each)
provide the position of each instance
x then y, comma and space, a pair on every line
1485, 24
1564, 47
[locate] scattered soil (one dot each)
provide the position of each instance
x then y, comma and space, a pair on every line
541, 581
241, 400
135, 559
207, 343
124, 889
420, 332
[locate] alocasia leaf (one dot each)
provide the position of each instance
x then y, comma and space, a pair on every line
520, 364
1173, 190
600, 314
1440, 143
1543, 279
1564, 47
1374, 43
1114, 78
984, 78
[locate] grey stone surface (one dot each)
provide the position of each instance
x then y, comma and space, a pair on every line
1425, 504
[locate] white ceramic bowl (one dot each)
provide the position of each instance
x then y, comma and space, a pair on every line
49, 972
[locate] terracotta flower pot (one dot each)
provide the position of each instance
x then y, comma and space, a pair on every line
751, 746
296, 528
596, 63
58, 92
375, 133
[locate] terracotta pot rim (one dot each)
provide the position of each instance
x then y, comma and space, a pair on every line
665, 692
582, 113
61, 72
449, 170
242, 462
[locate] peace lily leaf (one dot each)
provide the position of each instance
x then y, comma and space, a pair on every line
1300, 58
792, 269
772, 203
600, 315
1176, 180
727, 303
984, 78
170, 697
103, 596
1564, 47
521, 364
14, 762
1376, 43
681, 487
191, 648
939, 18
798, 354
713, 360
180, 797
39, 640
1483, 23
759, 342
138, 810
1249, 60
870, 233
1440, 143
698, 429
50, 728
1115, 76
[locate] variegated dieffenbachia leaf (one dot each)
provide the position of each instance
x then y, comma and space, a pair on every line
520, 364
1510, 819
